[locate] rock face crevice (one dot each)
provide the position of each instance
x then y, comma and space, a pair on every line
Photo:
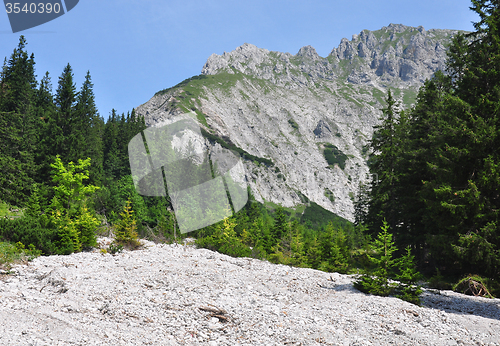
286, 107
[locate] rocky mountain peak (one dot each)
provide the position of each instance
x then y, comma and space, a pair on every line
308, 52
304, 121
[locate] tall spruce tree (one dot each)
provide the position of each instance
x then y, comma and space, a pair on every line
19, 127
382, 164
45, 110
442, 179
90, 131
280, 227
69, 140
18, 81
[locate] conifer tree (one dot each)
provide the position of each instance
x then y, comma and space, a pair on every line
90, 129
111, 158
461, 190
334, 251
297, 246
18, 81
280, 227
313, 253
126, 229
45, 111
377, 281
408, 277
382, 164
66, 127
19, 127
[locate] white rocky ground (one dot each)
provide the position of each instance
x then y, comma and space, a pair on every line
170, 295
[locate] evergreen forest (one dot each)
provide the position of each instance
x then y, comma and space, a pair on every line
434, 208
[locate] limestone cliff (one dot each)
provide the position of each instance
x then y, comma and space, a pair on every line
286, 111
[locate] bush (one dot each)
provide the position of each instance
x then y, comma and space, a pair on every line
30, 231
224, 240
125, 230
14, 253
377, 281
408, 276
473, 285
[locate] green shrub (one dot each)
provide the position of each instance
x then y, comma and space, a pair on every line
408, 276
28, 230
334, 156
473, 285
16, 253
377, 281
125, 229
222, 238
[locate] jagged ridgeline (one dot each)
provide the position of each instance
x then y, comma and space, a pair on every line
301, 121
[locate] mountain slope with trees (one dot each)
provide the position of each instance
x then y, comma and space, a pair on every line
438, 162
435, 168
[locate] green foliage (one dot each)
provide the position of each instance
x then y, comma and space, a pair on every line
19, 126
224, 240
69, 214
125, 230
436, 166
33, 207
69, 240
334, 250
109, 201
313, 252
474, 285
70, 191
334, 156
228, 145
408, 289
290, 249
16, 253
280, 227
31, 231
377, 282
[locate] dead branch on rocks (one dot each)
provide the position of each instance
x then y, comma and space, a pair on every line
216, 312
470, 286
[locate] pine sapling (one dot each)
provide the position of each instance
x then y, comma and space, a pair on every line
125, 231
408, 276
377, 282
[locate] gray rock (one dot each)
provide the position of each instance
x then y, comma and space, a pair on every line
283, 107
171, 295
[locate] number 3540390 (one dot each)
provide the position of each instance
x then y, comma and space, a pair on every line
33, 8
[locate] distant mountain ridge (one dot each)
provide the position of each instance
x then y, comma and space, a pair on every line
373, 57
310, 116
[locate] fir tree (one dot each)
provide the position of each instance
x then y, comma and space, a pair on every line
377, 281
19, 126
90, 129
280, 227
18, 81
382, 164
408, 276
126, 229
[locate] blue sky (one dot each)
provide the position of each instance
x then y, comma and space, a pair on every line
134, 48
